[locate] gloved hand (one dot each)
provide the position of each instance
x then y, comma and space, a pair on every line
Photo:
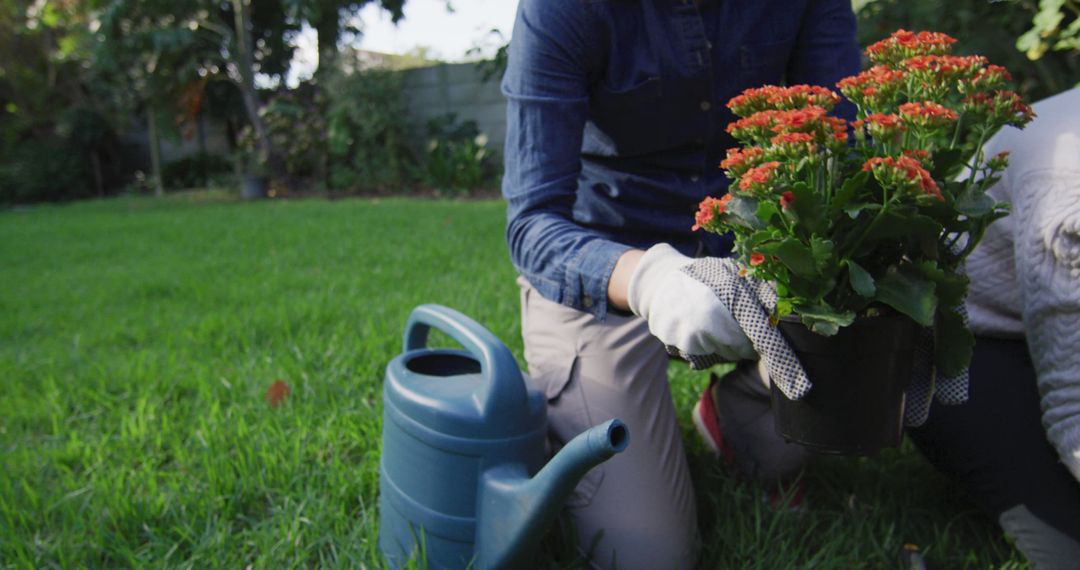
683, 312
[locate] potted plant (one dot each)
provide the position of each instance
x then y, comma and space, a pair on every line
863, 227
253, 166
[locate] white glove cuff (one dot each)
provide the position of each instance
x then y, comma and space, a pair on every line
648, 276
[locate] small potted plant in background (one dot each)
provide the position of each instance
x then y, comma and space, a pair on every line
253, 166
863, 227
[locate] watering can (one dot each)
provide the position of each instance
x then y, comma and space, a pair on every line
462, 478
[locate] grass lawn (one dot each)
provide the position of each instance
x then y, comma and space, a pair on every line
138, 339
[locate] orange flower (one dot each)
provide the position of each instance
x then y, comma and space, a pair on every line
903, 44
927, 115
1001, 107
883, 127
756, 259
708, 209
999, 161
874, 88
775, 98
756, 127
905, 173
758, 178
739, 160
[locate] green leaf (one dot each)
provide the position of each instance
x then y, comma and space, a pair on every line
813, 287
846, 192
794, 254
904, 223
807, 208
822, 251
855, 208
908, 291
861, 281
744, 210
824, 319
975, 203
766, 210
953, 343
946, 162
950, 287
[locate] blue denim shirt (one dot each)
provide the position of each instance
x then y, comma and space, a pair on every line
616, 121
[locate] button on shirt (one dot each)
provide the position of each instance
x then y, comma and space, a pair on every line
616, 117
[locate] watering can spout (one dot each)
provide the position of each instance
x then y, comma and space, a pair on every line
515, 510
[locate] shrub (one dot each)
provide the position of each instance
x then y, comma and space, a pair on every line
42, 169
195, 171
457, 158
366, 131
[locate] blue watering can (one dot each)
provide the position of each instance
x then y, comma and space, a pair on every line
462, 470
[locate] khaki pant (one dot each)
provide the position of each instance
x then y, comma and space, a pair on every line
636, 510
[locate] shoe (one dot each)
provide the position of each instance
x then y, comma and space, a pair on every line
707, 423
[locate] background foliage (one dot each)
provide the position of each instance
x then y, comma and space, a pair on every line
75, 76
984, 27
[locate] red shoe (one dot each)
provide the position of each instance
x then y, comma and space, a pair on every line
707, 423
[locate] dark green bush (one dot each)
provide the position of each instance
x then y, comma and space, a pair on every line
366, 132
44, 169
457, 158
195, 171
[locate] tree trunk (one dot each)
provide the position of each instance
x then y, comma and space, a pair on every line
326, 31
245, 65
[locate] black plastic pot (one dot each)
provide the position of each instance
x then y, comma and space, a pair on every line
254, 186
859, 375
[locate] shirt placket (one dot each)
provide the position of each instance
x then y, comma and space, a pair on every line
696, 56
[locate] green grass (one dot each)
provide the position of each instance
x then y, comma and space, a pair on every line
138, 339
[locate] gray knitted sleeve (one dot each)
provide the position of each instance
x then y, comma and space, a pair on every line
1048, 274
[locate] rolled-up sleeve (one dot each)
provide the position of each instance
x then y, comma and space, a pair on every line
546, 88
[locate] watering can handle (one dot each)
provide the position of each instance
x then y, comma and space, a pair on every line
497, 365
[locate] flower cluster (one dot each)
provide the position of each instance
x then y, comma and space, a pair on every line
904, 45
999, 107
881, 126
846, 217
783, 98
904, 173
709, 209
759, 179
927, 117
873, 88
740, 160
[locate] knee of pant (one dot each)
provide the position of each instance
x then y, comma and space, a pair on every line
761, 453
780, 462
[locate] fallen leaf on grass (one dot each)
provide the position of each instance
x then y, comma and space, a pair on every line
277, 393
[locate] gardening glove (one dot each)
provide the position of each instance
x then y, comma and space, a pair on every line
753, 300
683, 312
927, 385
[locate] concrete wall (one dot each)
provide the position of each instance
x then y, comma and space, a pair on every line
456, 88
